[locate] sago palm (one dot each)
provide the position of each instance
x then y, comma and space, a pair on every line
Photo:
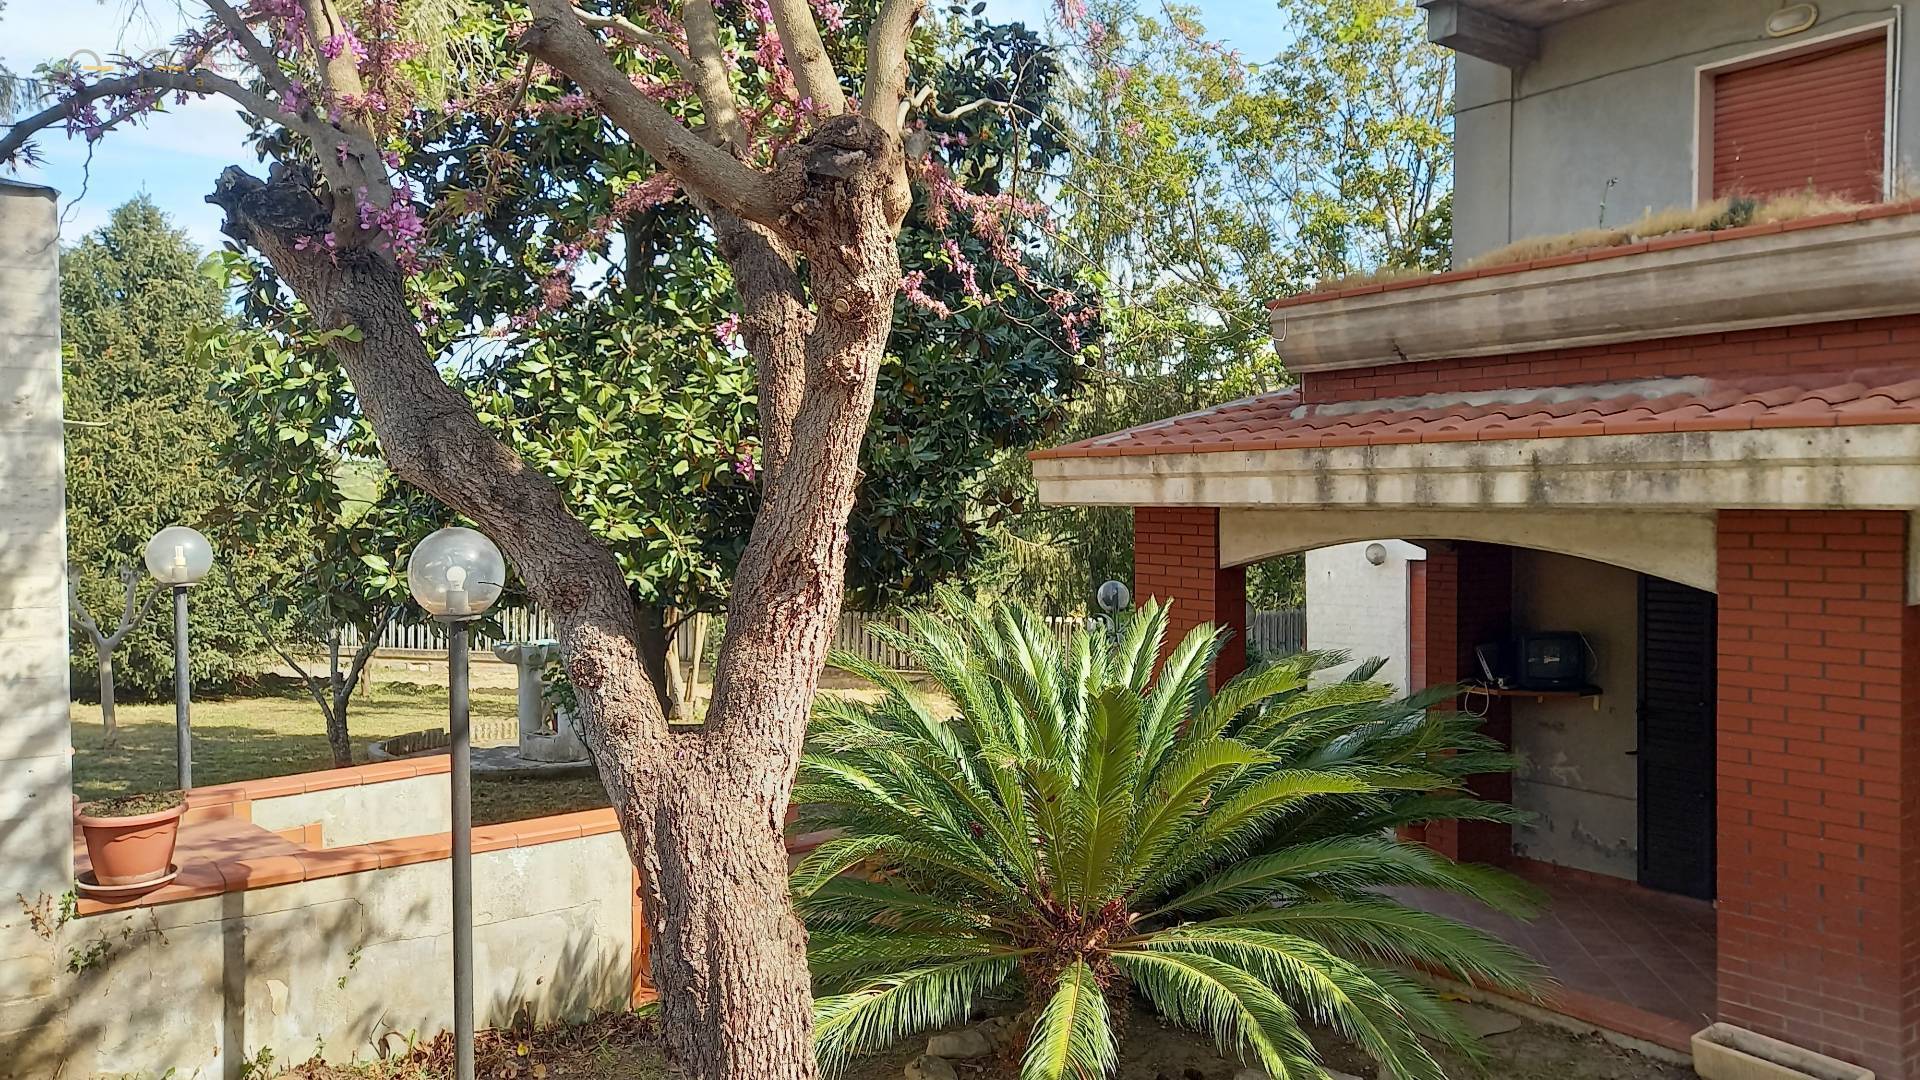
1088, 825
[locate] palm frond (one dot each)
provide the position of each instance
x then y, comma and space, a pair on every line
1073, 1038
889, 1009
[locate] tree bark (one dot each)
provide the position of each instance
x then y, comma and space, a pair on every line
109, 725
338, 691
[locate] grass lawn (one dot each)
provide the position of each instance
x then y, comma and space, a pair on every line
278, 731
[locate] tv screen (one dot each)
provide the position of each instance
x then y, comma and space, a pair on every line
1554, 661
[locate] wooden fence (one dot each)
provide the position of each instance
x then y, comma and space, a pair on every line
1273, 633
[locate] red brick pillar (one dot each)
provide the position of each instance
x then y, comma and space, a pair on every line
1461, 596
1176, 558
1819, 785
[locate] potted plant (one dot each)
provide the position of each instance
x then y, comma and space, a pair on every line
130, 838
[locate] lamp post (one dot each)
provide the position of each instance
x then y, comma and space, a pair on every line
179, 557
455, 575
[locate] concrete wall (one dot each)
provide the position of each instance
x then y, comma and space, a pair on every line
1361, 608
362, 815
332, 966
36, 839
1575, 769
1612, 96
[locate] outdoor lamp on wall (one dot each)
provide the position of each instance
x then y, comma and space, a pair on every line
1377, 553
179, 558
456, 575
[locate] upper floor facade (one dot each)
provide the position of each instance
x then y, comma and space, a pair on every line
1573, 114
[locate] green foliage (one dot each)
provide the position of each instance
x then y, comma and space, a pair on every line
635, 392
1201, 185
1092, 824
140, 444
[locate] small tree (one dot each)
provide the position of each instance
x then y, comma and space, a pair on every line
133, 612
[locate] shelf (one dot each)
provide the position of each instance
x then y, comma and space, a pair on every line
1540, 695
1593, 692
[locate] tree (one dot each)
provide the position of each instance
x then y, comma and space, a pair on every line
1203, 184
805, 204
106, 642
1094, 825
137, 440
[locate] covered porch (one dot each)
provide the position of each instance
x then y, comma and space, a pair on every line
1722, 808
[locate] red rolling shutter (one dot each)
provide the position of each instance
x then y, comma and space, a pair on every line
1815, 119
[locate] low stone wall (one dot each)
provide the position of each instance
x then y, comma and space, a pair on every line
342, 817
332, 951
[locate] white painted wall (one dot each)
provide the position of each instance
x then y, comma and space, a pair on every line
36, 838
1355, 606
1575, 768
332, 966
414, 806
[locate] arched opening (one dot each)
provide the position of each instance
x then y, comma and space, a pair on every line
1613, 742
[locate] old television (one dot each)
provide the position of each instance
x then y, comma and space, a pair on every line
1553, 660
1548, 660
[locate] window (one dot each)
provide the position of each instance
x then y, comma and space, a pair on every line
1811, 119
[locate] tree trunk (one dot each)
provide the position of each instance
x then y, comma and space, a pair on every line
728, 954
109, 725
656, 655
338, 693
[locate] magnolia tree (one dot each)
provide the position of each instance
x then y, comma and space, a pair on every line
805, 199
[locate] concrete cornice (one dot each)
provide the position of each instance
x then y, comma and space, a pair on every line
1847, 266
1861, 468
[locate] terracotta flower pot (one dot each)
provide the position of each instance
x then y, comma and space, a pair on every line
131, 850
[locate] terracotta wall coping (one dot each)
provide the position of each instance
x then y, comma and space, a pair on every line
1658, 243
279, 787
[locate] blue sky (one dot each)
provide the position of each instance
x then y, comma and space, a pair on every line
175, 157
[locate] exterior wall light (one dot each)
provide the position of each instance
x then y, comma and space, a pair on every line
179, 558
1377, 553
456, 575
1792, 20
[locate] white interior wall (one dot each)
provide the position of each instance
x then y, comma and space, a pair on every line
1576, 771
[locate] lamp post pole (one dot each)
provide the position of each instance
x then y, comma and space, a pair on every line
460, 750
455, 575
182, 690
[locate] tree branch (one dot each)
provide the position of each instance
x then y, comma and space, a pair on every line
711, 80
813, 73
197, 81
627, 30
259, 55
886, 84
557, 37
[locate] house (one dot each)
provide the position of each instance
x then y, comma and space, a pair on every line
1698, 449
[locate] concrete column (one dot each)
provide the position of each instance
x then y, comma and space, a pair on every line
36, 815
1819, 784
1176, 559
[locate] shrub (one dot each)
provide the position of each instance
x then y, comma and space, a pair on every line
1083, 830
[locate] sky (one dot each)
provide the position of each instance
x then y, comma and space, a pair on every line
174, 158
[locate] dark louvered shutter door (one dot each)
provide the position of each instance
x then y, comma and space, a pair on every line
1677, 660
1814, 120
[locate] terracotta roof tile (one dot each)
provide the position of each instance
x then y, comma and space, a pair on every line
1283, 421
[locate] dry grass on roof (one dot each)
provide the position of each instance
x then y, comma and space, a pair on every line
1732, 212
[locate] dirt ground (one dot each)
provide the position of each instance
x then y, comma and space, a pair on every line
1154, 1051
626, 1047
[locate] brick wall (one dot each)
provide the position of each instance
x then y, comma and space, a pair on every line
1462, 598
1176, 559
1819, 784
1834, 346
